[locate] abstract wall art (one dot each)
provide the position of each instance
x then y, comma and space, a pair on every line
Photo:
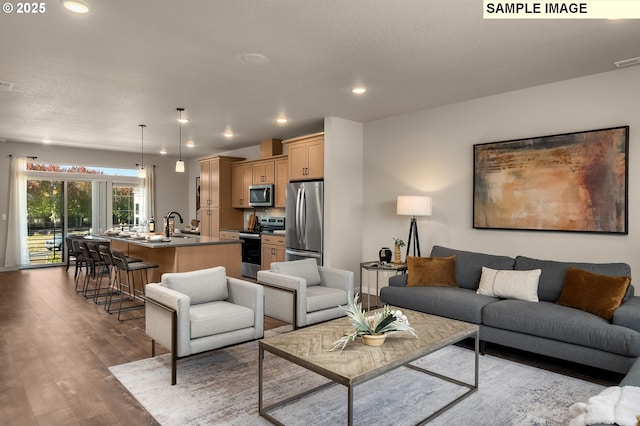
570, 182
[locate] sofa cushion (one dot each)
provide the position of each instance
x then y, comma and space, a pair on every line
457, 303
593, 293
469, 264
509, 284
431, 271
552, 277
202, 286
552, 321
219, 317
305, 268
320, 297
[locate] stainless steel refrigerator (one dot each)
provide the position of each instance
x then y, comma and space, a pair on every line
304, 220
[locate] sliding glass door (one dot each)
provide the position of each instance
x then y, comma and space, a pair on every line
55, 209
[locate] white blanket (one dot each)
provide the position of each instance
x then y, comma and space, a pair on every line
614, 405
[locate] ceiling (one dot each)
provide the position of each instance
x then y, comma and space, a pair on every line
90, 80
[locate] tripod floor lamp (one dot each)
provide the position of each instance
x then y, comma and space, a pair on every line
414, 206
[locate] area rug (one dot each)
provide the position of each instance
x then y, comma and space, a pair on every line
221, 388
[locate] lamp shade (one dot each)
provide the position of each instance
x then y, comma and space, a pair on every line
180, 166
413, 205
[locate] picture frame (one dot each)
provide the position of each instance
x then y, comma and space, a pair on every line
571, 182
197, 195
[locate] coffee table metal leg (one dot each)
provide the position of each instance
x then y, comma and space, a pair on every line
350, 405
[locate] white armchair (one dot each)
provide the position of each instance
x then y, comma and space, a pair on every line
302, 293
193, 312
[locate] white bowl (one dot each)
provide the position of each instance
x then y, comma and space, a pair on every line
155, 238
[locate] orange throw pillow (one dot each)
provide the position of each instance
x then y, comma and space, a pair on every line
431, 271
593, 293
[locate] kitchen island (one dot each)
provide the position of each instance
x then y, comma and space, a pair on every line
182, 253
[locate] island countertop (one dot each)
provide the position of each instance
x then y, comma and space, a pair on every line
182, 253
175, 241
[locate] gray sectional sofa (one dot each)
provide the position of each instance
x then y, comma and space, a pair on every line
542, 327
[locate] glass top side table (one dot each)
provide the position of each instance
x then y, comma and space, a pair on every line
396, 268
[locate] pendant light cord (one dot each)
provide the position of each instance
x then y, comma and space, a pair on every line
142, 126
180, 121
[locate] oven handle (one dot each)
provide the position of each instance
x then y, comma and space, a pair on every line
249, 236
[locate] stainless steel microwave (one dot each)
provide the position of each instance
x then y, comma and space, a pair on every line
261, 195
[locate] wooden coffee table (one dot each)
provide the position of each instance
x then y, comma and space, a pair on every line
309, 347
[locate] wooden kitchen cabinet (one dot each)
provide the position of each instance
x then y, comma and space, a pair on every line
281, 167
229, 235
272, 250
216, 210
241, 179
306, 157
263, 172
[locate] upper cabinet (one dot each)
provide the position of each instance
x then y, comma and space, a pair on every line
215, 196
246, 173
264, 172
241, 179
306, 157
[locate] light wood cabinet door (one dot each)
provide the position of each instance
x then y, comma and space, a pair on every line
263, 172
215, 196
297, 161
241, 178
281, 179
315, 159
306, 157
272, 250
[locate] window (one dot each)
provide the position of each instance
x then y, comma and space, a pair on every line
65, 200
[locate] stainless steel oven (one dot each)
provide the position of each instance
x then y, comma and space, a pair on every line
252, 245
251, 254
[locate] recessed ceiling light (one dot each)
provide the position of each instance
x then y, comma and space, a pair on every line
359, 90
183, 120
163, 151
254, 58
228, 134
190, 144
47, 141
282, 120
76, 6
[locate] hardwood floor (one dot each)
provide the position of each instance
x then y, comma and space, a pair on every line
55, 350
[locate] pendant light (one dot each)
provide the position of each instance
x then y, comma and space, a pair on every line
142, 173
180, 163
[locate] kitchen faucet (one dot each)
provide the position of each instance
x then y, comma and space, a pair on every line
167, 233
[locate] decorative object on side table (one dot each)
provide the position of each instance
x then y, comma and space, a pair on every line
385, 254
373, 328
398, 243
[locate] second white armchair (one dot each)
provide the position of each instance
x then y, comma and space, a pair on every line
302, 293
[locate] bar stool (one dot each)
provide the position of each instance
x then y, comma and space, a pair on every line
127, 271
104, 249
71, 252
98, 269
82, 263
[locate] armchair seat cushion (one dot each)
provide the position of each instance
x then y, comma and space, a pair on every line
218, 317
321, 297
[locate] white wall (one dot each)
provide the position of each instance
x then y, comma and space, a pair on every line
170, 193
430, 152
343, 188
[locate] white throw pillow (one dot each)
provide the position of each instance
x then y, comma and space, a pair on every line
509, 284
306, 268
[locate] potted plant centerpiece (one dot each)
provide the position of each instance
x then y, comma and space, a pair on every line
373, 328
397, 242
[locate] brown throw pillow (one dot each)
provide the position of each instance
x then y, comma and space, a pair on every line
593, 293
431, 271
